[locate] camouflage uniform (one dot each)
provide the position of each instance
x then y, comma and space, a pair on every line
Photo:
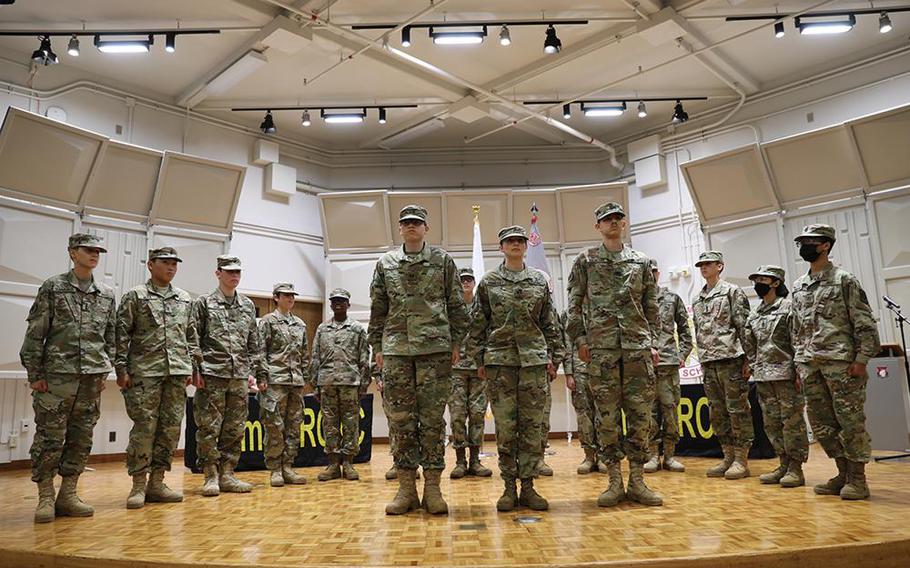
832, 327
69, 342
582, 397
286, 364
720, 318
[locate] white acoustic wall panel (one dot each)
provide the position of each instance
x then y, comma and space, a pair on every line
433, 204
577, 206
745, 248
355, 220
891, 216
280, 180
883, 143
495, 213
123, 183
265, 152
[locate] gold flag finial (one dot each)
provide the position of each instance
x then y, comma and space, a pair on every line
476, 210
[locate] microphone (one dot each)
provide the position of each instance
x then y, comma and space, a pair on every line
891, 303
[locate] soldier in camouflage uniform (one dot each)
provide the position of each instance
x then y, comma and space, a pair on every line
834, 336
286, 366
231, 353
418, 319
468, 403
770, 351
613, 319
157, 349
674, 323
576, 372
340, 373
720, 312
67, 352
516, 343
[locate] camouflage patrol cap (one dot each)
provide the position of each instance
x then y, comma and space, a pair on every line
818, 230
283, 288
608, 209
465, 273
86, 240
412, 212
340, 293
770, 271
164, 253
710, 256
228, 262
513, 231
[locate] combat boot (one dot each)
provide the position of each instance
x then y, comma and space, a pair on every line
834, 485
544, 469
476, 468
289, 476
210, 488
392, 473
794, 476
276, 479
44, 512
158, 492
69, 504
589, 464
855, 488
432, 495
601, 466
740, 467
615, 492
406, 499
136, 499
333, 470
721, 468
509, 496
670, 462
638, 491
652, 465
229, 483
347, 469
775, 475
461, 465
530, 498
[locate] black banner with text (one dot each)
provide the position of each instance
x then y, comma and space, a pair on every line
696, 438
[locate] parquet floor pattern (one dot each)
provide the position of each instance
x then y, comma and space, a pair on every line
704, 522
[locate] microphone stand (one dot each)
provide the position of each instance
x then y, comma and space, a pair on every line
900, 319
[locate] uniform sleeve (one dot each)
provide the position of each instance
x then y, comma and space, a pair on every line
459, 319
379, 308
749, 342
363, 359
126, 320
865, 330
480, 325
739, 305
192, 340
568, 362
649, 304
681, 317
110, 331
305, 352
795, 329
40, 317
315, 358
265, 338
577, 287
259, 366
552, 331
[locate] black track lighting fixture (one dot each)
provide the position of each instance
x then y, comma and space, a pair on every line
679, 113
44, 55
343, 114
170, 42
505, 38
305, 119
884, 23
382, 117
642, 109
73, 47
567, 111
406, 36
268, 124
551, 44
779, 30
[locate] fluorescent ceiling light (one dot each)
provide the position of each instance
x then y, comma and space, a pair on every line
124, 45
343, 117
826, 27
447, 36
606, 109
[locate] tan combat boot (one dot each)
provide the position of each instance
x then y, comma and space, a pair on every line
589, 464
834, 485
432, 494
229, 483
461, 465
476, 468
509, 496
347, 468
653, 464
670, 462
775, 475
543, 468
210, 487
136, 499
392, 473
291, 477
856, 488
157, 490
615, 492
69, 504
406, 499
794, 476
331, 471
44, 512
637, 490
740, 467
276, 479
721, 468
531, 498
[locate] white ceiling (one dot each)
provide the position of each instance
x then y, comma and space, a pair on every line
601, 58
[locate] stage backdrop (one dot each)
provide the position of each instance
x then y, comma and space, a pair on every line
312, 440
696, 436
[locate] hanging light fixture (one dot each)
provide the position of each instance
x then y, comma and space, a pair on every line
884, 23
44, 55
567, 111
642, 109
124, 45
382, 116
170, 42
72, 48
779, 30
449, 36
679, 113
343, 117
268, 124
594, 110
825, 27
305, 120
504, 37
551, 44
406, 36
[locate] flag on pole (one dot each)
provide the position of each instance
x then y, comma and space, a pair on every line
477, 251
537, 257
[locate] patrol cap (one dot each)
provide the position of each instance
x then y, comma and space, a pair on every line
86, 240
513, 231
608, 208
283, 288
412, 212
228, 262
340, 293
164, 253
770, 271
818, 230
464, 273
710, 256
652, 263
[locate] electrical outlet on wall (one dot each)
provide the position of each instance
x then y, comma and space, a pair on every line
25, 425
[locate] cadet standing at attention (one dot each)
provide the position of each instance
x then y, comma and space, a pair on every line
67, 352
770, 351
516, 343
674, 322
576, 372
613, 321
418, 320
834, 336
468, 403
157, 349
340, 374
231, 353
720, 314
286, 365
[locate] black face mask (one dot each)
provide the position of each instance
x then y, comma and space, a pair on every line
809, 252
762, 289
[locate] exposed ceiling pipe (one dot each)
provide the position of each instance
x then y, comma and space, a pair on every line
634, 5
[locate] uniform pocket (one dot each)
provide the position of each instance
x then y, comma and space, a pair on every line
269, 400
48, 401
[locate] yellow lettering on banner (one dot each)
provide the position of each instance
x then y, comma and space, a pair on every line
684, 411
319, 433
306, 427
253, 430
362, 433
705, 433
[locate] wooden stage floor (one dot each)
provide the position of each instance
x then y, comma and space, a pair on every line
704, 522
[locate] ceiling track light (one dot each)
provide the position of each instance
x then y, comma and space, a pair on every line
124, 45
268, 124
382, 115
825, 27
884, 23
679, 113
346, 117
603, 109
567, 111
170, 42
505, 38
44, 55
551, 44
72, 48
642, 109
305, 119
406, 36
779, 30
446, 36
